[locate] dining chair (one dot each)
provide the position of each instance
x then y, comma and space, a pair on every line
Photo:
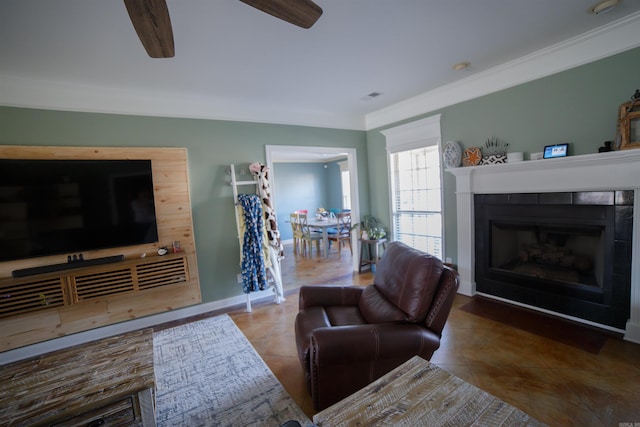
308, 236
333, 212
296, 231
306, 212
344, 232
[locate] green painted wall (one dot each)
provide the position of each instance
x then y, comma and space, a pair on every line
579, 106
211, 146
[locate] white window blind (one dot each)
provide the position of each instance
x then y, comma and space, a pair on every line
416, 185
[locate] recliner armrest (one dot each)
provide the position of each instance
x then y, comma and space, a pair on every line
341, 345
328, 295
443, 300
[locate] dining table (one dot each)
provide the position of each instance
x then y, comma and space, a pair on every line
324, 224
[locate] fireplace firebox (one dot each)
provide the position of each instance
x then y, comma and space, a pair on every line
565, 252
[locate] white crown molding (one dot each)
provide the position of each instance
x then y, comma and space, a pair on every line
29, 93
617, 37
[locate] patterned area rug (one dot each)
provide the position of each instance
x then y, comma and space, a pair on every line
208, 374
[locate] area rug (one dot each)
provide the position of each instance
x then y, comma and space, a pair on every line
208, 374
555, 328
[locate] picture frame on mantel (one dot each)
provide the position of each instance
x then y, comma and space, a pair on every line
629, 125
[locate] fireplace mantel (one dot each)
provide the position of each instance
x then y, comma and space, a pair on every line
616, 170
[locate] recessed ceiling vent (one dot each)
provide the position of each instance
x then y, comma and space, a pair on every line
371, 96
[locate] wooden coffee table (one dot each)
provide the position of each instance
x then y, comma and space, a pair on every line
109, 381
420, 393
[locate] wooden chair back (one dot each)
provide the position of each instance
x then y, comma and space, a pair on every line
294, 218
344, 224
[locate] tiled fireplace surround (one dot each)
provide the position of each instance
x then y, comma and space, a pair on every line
618, 170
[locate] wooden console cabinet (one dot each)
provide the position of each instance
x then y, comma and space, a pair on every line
75, 286
105, 382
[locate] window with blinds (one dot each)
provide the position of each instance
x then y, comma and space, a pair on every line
416, 184
417, 199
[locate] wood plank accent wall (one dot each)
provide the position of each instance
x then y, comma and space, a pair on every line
173, 212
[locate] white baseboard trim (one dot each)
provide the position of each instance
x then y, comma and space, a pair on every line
554, 313
128, 326
632, 332
466, 288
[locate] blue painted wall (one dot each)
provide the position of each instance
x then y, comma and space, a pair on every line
304, 186
334, 186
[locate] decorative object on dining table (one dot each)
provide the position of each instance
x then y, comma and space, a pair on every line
628, 128
494, 151
472, 156
451, 154
322, 214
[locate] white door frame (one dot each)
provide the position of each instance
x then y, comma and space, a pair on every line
352, 159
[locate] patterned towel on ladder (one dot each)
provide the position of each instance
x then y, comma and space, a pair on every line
254, 276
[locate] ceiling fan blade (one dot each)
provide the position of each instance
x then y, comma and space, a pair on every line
303, 13
150, 18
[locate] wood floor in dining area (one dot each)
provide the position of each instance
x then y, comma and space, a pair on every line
558, 384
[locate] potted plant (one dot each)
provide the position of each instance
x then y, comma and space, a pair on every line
372, 228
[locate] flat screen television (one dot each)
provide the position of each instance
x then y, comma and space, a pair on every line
50, 207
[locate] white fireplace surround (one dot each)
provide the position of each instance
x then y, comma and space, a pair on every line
616, 170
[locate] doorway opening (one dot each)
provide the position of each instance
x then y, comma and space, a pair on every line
303, 154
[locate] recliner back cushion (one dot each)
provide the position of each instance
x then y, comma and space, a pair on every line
408, 278
375, 308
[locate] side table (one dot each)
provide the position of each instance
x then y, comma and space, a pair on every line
370, 260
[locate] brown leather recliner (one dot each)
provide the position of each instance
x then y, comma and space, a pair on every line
348, 336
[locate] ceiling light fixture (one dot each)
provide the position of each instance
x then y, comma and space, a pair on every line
604, 6
461, 66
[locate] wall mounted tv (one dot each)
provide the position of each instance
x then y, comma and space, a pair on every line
50, 207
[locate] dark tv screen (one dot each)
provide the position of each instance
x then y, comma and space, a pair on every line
50, 207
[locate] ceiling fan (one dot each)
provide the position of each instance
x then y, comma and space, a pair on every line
150, 18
